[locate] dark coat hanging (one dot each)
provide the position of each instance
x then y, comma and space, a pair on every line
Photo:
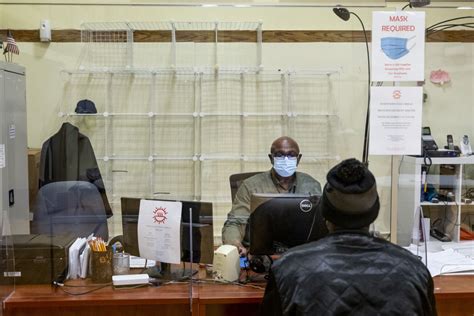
68, 156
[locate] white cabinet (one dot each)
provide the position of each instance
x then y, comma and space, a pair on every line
411, 188
14, 204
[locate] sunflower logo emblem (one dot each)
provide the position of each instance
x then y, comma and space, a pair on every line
159, 215
397, 94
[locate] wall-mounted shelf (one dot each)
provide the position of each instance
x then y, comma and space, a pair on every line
409, 195
111, 45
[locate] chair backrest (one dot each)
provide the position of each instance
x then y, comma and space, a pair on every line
70, 207
236, 180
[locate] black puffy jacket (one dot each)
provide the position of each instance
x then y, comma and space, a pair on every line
349, 273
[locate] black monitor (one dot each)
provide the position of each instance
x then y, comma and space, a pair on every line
281, 221
202, 229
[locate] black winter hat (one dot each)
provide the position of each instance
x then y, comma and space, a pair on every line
85, 107
350, 198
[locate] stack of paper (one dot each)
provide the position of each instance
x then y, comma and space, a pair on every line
449, 260
78, 259
84, 259
465, 247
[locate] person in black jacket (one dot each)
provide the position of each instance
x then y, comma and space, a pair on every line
349, 272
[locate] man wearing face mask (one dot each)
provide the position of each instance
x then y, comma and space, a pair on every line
282, 178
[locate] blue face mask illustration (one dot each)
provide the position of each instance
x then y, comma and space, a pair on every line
395, 47
285, 166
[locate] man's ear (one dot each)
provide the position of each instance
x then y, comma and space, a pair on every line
299, 158
271, 158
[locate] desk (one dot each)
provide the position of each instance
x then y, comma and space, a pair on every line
32, 300
229, 300
454, 296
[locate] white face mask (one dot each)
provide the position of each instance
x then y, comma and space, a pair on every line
285, 166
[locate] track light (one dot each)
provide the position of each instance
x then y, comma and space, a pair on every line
343, 13
419, 3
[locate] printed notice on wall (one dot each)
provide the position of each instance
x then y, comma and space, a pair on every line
395, 120
159, 237
2, 155
398, 46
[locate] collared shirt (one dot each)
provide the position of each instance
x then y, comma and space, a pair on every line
234, 228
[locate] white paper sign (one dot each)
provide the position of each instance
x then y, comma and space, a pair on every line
395, 120
2, 155
159, 224
398, 46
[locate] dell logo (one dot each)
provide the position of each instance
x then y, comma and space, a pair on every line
306, 206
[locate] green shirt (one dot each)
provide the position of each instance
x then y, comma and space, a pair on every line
234, 228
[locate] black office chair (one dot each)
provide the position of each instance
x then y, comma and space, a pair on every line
70, 207
236, 180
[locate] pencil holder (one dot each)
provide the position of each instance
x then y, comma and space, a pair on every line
101, 266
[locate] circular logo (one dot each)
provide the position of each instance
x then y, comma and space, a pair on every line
159, 215
397, 94
306, 206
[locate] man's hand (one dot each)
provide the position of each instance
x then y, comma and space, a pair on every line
242, 250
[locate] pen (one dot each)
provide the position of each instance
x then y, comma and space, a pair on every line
423, 181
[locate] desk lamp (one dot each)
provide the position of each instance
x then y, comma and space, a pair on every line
345, 14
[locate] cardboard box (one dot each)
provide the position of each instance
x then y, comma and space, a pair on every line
34, 156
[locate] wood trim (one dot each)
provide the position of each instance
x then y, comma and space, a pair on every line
30, 36
270, 36
313, 36
452, 36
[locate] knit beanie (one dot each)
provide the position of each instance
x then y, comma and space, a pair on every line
350, 198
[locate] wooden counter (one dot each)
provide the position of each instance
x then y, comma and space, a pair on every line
454, 296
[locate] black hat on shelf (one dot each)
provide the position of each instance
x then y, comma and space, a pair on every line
85, 107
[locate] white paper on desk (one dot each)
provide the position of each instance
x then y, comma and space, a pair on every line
446, 261
465, 247
74, 262
84, 259
137, 262
159, 226
449, 261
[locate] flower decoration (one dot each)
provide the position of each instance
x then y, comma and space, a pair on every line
439, 77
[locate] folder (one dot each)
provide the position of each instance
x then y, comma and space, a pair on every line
74, 270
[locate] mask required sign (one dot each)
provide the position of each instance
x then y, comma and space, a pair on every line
398, 46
